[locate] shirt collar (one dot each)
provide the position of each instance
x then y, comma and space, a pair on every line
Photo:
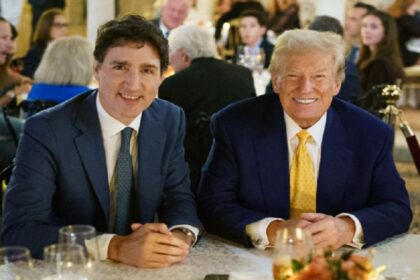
163, 28
316, 130
111, 126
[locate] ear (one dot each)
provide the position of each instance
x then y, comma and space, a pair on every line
338, 84
96, 67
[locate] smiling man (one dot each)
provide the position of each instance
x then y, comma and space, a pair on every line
112, 158
302, 157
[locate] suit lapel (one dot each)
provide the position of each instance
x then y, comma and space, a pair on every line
336, 161
272, 161
91, 150
150, 143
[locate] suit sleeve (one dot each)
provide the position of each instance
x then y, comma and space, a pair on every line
178, 203
29, 196
388, 212
219, 204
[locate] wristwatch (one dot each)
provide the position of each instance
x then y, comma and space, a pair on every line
187, 232
11, 94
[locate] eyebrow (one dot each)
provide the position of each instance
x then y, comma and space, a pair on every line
144, 65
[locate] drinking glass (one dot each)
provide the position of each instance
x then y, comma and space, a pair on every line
292, 244
85, 236
65, 261
15, 263
243, 56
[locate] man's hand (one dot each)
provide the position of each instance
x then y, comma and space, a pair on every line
329, 231
274, 226
148, 246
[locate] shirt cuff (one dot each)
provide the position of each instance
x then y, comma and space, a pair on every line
257, 232
193, 229
102, 241
358, 238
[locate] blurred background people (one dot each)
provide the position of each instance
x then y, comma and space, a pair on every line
404, 11
201, 86
12, 84
284, 15
40, 6
352, 27
238, 7
51, 25
172, 14
252, 29
380, 59
65, 70
351, 89
221, 7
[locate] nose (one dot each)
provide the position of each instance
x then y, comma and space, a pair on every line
306, 85
132, 81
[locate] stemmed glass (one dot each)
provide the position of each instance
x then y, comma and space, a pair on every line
15, 263
292, 245
65, 261
85, 236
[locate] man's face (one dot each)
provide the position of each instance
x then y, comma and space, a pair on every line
6, 43
353, 22
306, 86
129, 78
251, 31
174, 13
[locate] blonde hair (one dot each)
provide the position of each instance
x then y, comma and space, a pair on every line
301, 41
67, 61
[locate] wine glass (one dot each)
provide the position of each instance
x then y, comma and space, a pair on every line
15, 263
243, 56
65, 261
85, 236
292, 245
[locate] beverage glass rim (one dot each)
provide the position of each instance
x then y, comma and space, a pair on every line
23, 251
78, 229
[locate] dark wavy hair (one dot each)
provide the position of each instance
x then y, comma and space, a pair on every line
131, 29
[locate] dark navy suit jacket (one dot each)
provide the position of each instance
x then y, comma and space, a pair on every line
246, 177
61, 177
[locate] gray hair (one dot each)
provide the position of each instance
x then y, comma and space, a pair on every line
301, 41
193, 40
66, 61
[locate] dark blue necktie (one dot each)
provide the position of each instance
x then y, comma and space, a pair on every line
124, 185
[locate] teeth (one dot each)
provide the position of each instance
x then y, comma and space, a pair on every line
305, 100
129, 97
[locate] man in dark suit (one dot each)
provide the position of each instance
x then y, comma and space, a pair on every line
303, 158
73, 165
172, 14
201, 86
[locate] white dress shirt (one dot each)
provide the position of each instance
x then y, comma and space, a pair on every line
258, 231
111, 135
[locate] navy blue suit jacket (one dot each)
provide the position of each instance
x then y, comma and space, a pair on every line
246, 177
61, 177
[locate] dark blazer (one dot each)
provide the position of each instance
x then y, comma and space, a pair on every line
202, 89
380, 71
246, 177
61, 177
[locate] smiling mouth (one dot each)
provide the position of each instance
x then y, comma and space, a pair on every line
130, 97
304, 100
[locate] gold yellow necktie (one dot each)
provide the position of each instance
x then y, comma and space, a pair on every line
302, 179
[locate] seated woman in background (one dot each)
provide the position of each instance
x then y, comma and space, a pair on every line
252, 29
11, 84
65, 70
284, 15
404, 11
380, 59
51, 25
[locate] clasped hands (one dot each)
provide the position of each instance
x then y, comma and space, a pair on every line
150, 246
326, 230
